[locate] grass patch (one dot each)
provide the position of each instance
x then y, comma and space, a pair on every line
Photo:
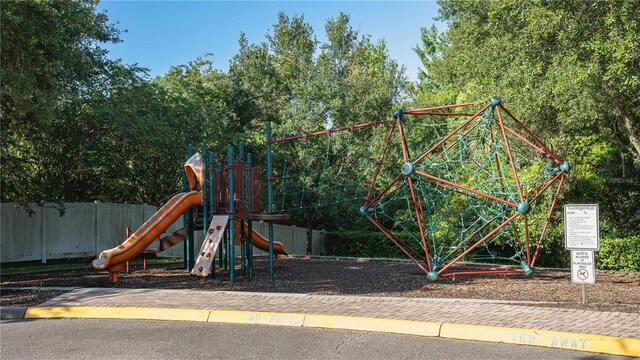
66, 264
33, 269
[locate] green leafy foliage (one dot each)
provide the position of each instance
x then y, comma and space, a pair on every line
362, 243
77, 126
621, 254
568, 69
302, 86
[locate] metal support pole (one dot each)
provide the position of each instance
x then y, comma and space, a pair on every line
584, 294
241, 151
189, 241
270, 199
185, 221
205, 189
243, 249
243, 239
212, 208
250, 208
223, 247
232, 216
250, 247
212, 185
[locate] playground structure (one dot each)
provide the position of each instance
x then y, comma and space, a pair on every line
468, 185
214, 195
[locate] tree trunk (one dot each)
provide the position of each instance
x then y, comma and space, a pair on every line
626, 123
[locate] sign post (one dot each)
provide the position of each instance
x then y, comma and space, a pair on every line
582, 237
583, 270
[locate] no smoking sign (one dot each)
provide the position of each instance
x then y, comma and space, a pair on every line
582, 267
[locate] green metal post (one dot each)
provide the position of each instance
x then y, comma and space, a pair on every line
243, 252
250, 223
232, 217
212, 185
185, 221
211, 200
223, 247
270, 199
250, 247
189, 243
205, 189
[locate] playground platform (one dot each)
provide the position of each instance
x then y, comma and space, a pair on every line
528, 323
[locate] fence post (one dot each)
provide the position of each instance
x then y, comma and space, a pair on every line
43, 239
294, 242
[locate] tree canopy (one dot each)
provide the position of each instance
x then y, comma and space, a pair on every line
570, 68
79, 126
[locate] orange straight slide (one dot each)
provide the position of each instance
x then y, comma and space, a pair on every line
259, 241
114, 259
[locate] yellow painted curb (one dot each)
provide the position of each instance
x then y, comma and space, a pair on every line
373, 324
553, 339
132, 313
256, 317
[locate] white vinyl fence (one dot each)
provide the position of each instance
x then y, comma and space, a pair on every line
86, 229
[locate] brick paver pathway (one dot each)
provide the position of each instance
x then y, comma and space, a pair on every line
457, 311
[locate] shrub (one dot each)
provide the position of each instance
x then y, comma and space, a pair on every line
621, 254
370, 244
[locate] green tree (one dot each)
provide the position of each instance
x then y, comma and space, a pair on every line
355, 76
303, 85
569, 70
77, 126
52, 66
203, 104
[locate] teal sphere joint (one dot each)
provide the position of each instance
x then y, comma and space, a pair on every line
523, 208
365, 211
528, 270
432, 276
407, 168
495, 101
565, 167
399, 114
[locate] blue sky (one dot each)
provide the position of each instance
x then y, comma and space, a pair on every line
161, 34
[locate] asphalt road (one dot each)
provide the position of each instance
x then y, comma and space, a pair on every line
128, 339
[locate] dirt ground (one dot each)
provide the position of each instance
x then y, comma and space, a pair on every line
613, 291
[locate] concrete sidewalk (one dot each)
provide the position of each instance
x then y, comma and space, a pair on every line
510, 322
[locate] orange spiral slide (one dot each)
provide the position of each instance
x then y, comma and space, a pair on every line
114, 259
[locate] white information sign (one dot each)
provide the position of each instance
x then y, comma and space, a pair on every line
583, 267
582, 227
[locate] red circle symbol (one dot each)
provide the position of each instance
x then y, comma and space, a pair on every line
583, 274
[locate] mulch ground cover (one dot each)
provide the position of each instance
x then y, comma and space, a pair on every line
613, 291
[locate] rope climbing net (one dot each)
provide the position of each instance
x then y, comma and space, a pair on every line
324, 168
447, 184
